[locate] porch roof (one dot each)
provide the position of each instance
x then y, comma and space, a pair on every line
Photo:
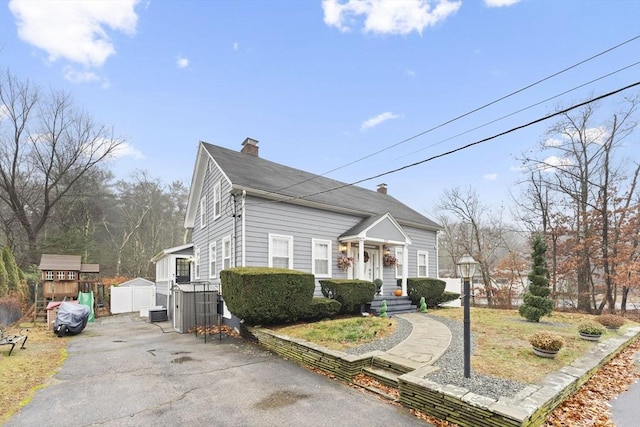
378, 228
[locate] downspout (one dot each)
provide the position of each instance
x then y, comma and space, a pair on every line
438, 254
242, 228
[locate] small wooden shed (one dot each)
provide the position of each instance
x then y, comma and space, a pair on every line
195, 304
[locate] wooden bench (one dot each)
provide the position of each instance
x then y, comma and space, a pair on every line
12, 340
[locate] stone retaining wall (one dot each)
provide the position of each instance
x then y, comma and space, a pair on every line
529, 407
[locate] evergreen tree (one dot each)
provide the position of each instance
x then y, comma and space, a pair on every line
12, 269
4, 280
536, 301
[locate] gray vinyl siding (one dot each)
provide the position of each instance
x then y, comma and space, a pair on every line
421, 240
304, 224
215, 229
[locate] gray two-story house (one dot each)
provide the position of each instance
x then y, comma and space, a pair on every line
247, 211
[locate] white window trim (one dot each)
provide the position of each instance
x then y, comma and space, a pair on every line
313, 257
60, 275
426, 259
203, 212
217, 201
290, 254
49, 275
71, 275
196, 263
213, 262
400, 260
225, 240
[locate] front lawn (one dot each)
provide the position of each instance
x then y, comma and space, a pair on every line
502, 346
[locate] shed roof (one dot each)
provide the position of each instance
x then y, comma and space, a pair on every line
67, 263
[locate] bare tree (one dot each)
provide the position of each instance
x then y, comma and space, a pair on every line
584, 176
46, 146
479, 232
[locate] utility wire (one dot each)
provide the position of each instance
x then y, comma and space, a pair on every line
520, 110
468, 113
464, 147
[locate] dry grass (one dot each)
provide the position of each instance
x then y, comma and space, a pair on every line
22, 373
503, 349
340, 334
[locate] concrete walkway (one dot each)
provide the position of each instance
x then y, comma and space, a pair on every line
428, 340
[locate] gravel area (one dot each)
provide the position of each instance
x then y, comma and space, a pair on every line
451, 363
451, 366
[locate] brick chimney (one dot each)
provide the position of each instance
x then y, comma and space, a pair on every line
250, 146
382, 188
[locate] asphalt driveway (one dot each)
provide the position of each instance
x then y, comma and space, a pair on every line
126, 372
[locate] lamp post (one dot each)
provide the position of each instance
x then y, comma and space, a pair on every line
466, 268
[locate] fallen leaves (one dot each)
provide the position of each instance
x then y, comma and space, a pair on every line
215, 330
589, 406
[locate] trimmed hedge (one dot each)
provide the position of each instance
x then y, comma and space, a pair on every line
261, 295
427, 287
350, 293
448, 296
322, 308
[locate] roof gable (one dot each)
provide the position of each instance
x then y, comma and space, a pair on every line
382, 228
263, 178
60, 262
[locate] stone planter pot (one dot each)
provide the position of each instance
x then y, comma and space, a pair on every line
589, 337
545, 353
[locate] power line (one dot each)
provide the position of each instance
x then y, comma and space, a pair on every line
472, 144
521, 110
469, 112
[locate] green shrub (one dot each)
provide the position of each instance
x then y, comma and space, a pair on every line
383, 309
429, 288
536, 301
352, 294
261, 295
448, 296
590, 328
322, 308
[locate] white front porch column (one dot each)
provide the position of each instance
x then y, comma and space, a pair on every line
360, 259
405, 268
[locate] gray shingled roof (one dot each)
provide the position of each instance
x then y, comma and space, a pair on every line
253, 172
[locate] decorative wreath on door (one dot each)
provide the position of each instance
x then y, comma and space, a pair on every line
366, 256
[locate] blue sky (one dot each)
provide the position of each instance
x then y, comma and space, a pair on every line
324, 83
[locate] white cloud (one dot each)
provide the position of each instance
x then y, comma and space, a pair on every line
388, 16
554, 162
500, 3
236, 46
127, 150
375, 121
490, 177
411, 73
182, 62
74, 30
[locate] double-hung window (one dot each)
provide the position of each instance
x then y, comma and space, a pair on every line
217, 202
400, 261
226, 252
213, 271
280, 251
423, 264
321, 254
196, 263
203, 212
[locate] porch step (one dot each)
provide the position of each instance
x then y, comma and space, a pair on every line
385, 376
395, 305
372, 384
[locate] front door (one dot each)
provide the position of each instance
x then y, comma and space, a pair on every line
371, 264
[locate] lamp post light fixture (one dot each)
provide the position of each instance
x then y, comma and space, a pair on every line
466, 269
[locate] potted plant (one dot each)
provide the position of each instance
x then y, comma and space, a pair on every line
610, 321
344, 262
590, 331
378, 283
389, 260
546, 344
